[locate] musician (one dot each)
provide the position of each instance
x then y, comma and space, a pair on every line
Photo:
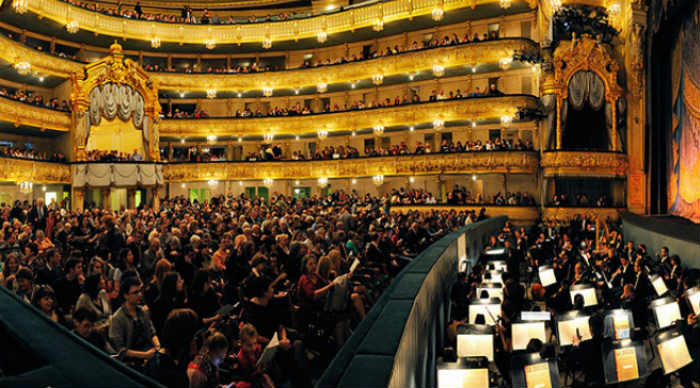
664, 260
624, 274
581, 274
675, 275
642, 285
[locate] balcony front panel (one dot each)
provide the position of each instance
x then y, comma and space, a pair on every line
565, 214
22, 170
584, 164
348, 20
24, 114
520, 215
41, 62
409, 62
481, 108
515, 162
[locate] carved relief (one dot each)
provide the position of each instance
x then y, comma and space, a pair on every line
17, 170
20, 113
584, 163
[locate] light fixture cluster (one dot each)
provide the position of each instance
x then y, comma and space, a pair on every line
378, 129
438, 124
506, 120
505, 4
322, 36
211, 93
23, 68
72, 26
505, 63
438, 70
268, 137
268, 181
26, 187
323, 181
322, 87
155, 42
322, 134
438, 13
210, 44
267, 91
377, 79
20, 6
267, 43
378, 179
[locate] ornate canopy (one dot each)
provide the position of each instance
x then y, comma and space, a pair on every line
115, 87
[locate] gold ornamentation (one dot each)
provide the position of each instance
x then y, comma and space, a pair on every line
519, 215
41, 62
566, 214
636, 53
19, 113
449, 110
18, 170
594, 164
386, 12
520, 162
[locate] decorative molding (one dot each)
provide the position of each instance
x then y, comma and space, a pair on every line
584, 163
409, 62
450, 110
20, 113
516, 162
564, 214
519, 215
43, 63
295, 29
19, 170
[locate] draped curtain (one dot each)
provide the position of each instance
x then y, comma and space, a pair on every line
117, 174
116, 100
588, 87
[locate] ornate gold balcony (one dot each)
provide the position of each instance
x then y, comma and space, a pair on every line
516, 162
463, 109
516, 214
43, 63
19, 113
349, 20
409, 62
564, 214
20, 170
584, 164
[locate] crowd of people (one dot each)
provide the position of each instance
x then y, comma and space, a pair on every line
191, 293
581, 199
619, 271
30, 97
28, 153
299, 109
113, 156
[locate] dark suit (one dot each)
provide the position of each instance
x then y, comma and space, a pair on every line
37, 216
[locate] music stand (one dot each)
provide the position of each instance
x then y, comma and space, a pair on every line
567, 325
462, 253
497, 265
658, 284
496, 252
618, 324
530, 370
527, 316
693, 299
495, 290
587, 291
490, 308
666, 312
547, 275
475, 341
624, 361
672, 349
462, 374
494, 277
524, 331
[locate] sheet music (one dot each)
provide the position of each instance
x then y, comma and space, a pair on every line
524, 332
667, 314
659, 285
475, 345
695, 302
589, 296
490, 312
537, 376
547, 277
621, 325
269, 351
354, 265
626, 364
463, 378
674, 354
493, 292
567, 330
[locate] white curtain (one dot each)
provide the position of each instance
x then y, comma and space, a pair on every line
116, 100
117, 174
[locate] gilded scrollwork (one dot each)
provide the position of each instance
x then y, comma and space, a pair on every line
18, 170
450, 110
566, 214
41, 62
19, 114
523, 162
519, 215
609, 164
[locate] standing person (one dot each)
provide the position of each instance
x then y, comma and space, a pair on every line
138, 9
131, 330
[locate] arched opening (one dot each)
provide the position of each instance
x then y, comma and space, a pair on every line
584, 114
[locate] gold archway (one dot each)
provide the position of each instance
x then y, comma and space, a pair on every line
115, 87
585, 54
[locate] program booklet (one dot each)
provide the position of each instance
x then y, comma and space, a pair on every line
537, 376
269, 351
626, 364
621, 324
463, 378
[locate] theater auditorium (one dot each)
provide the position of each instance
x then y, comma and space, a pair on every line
349, 193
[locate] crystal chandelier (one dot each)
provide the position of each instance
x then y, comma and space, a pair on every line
268, 137
211, 138
438, 13
322, 87
155, 42
72, 26
438, 125
506, 120
268, 181
322, 36
555, 4
23, 67
614, 9
505, 63
438, 70
267, 91
212, 182
322, 134
267, 43
26, 187
378, 25
20, 6
377, 79
211, 93
378, 129
378, 179
505, 4
323, 181
210, 44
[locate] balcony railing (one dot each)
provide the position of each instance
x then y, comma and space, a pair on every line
516, 162
584, 164
25, 114
475, 108
23, 170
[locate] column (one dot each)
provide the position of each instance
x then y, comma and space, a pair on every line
131, 198
77, 198
155, 191
106, 198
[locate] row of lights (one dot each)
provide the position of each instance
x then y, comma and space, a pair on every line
322, 181
377, 129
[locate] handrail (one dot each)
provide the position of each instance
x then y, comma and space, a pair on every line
395, 344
